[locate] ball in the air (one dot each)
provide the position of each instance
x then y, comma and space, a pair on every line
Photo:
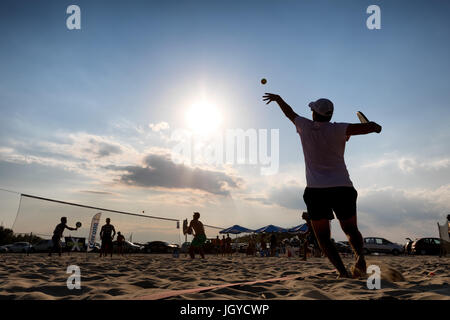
78, 224
263, 81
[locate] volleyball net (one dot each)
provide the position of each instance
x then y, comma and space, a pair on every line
39, 216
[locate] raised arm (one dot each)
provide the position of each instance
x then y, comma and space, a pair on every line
287, 110
70, 228
362, 128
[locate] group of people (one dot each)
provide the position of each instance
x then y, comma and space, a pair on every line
265, 248
107, 234
222, 246
270, 247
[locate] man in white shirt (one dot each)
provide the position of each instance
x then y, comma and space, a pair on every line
328, 185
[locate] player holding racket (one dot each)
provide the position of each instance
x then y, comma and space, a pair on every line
328, 184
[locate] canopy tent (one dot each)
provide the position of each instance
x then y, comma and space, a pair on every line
301, 228
236, 229
270, 228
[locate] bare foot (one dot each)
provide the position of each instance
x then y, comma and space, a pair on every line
360, 268
344, 275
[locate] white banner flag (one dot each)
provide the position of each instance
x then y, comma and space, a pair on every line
93, 231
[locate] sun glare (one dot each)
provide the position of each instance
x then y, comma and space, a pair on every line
203, 118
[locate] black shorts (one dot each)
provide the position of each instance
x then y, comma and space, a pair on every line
107, 243
321, 202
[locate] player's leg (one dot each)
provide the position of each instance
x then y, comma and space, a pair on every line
350, 228
191, 251
323, 236
202, 252
110, 246
318, 202
103, 248
344, 206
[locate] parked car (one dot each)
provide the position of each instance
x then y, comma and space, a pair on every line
128, 247
381, 245
159, 247
43, 246
21, 247
4, 248
426, 246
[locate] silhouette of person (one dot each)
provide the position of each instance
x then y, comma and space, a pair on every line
107, 234
57, 235
328, 185
199, 237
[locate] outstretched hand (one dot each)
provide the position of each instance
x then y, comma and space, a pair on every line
377, 127
269, 97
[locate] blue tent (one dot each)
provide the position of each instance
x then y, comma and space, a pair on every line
236, 229
270, 228
301, 228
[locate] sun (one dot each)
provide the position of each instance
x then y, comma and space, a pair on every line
203, 118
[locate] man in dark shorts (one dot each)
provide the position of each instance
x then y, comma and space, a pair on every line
273, 244
107, 234
57, 235
263, 247
217, 245
223, 245
199, 237
120, 243
228, 248
328, 184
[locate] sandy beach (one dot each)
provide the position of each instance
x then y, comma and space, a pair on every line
155, 276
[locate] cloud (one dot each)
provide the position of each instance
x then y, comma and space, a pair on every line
287, 196
409, 164
400, 213
103, 149
290, 197
97, 192
261, 200
159, 126
160, 171
402, 172
77, 152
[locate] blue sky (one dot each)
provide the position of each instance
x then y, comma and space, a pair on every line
76, 105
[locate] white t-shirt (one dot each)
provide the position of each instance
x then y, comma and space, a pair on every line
323, 147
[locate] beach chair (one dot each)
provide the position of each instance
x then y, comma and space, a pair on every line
445, 239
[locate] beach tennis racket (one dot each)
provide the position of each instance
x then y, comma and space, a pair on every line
78, 224
362, 118
185, 227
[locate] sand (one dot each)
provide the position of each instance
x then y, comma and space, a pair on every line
151, 276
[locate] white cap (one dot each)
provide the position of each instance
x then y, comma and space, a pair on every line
322, 106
